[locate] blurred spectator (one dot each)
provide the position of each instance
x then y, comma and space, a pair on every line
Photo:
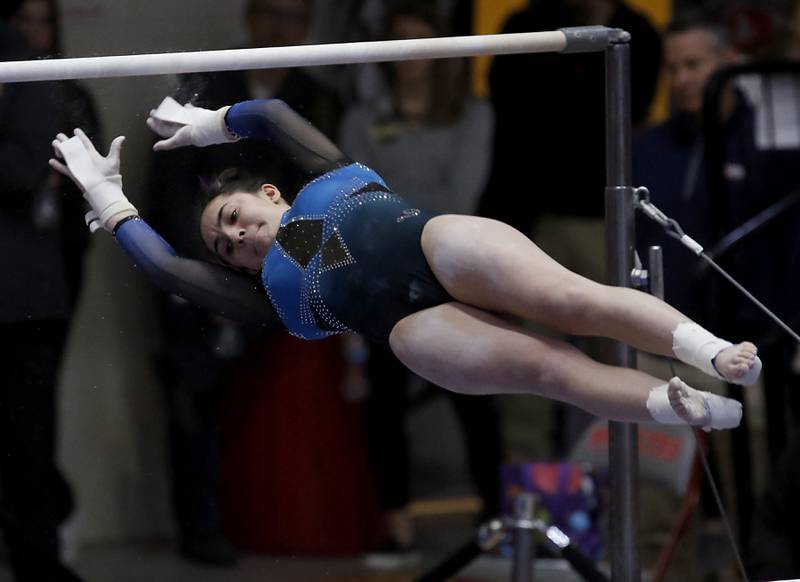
669, 158
777, 112
38, 21
193, 372
558, 197
430, 140
548, 170
363, 20
43, 246
712, 197
672, 160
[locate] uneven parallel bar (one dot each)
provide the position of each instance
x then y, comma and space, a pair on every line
279, 57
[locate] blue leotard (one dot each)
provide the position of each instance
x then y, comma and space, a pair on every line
347, 255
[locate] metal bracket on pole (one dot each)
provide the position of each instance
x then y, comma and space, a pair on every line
592, 39
639, 274
651, 279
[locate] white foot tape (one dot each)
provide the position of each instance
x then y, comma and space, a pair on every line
752, 374
694, 345
678, 403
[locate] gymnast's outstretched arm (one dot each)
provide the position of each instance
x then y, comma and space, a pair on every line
213, 287
263, 119
273, 120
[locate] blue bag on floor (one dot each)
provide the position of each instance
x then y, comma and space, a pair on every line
566, 496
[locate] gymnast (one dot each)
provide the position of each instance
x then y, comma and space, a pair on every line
351, 255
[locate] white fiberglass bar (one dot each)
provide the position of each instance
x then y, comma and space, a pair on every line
278, 57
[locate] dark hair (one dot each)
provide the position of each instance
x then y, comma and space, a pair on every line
225, 183
451, 76
231, 180
707, 18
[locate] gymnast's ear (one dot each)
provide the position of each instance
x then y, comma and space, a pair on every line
271, 192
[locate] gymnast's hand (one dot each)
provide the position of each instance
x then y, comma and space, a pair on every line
188, 125
96, 176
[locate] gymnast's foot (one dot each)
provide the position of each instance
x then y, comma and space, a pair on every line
698, 347
703, 409
738, 364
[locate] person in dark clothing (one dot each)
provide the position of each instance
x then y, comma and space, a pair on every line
563, 208
42, 255
672, 160
565, 109
39, 22
669, 158
200, 345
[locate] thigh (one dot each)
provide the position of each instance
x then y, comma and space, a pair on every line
468, 350
493, 266
465, 349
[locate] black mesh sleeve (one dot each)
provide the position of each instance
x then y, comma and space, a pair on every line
213, 287
274, 121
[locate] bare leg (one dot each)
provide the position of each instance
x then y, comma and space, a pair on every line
490, 265
468, 350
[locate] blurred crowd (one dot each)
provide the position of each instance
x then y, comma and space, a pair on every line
716, 114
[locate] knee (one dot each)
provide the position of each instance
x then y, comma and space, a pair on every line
574, 305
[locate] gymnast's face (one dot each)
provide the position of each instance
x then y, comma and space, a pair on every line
240, 227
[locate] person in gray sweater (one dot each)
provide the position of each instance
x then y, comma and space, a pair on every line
430, 139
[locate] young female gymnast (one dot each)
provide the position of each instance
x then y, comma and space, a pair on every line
349, 254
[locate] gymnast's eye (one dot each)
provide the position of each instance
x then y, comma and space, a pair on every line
234, 215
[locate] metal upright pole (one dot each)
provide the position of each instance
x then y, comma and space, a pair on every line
623, 449
655, 268
522, 570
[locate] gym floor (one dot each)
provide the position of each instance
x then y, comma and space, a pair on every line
437, 538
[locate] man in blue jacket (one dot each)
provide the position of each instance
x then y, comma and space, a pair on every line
672, 161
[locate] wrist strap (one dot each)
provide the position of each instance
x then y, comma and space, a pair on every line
123, 221
227, 128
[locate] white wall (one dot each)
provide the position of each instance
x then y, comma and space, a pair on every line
112, 437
